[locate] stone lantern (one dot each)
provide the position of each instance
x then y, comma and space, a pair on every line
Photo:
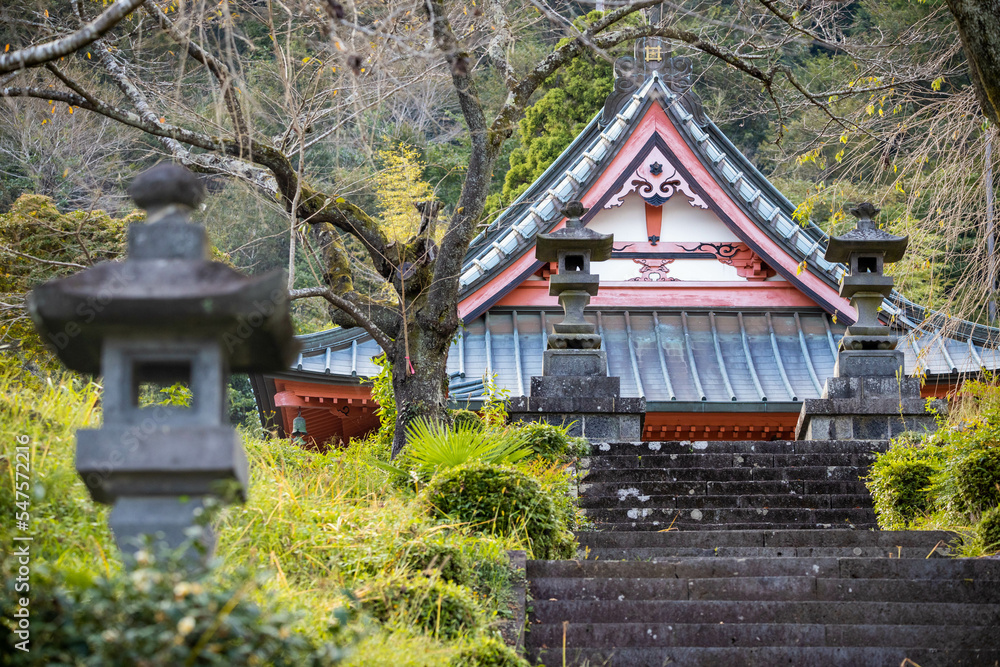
574, 247
866, 250
165, 315
574, 387
868, 397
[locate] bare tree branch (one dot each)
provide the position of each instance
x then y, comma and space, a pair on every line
348, 307
43, 53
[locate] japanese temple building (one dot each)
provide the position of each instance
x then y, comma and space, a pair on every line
717, 306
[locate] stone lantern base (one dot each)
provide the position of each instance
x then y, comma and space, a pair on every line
869, 398
592, 404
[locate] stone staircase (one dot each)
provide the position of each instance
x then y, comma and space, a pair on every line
754, 553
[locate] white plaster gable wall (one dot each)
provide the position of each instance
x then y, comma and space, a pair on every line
683, 222
627, 222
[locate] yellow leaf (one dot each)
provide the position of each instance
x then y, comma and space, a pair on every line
66, 172
46, 13
834, 318
163, 119
305, 60
88, 55
6, 48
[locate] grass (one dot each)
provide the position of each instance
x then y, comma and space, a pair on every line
322, 525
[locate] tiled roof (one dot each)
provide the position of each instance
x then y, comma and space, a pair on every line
664, 356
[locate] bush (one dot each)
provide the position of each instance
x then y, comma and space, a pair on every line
466, 418
553, 443
447, 560
500, 500
157, 614
437, 607
487, 652
977, 480
988, 531
433, 446
900, 480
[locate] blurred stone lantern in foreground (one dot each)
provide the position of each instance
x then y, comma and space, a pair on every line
164, 316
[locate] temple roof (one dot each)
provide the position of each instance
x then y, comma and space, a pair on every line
578, 168
671, 358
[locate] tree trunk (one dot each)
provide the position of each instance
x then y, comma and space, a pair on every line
979, 27
423, 393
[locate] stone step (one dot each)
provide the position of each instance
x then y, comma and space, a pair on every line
724, 460
630, 498
658, 526
842, 568
648, 635
728, 515
712, 488
723, 446
735, 612
753, 589
659, 553
632, 475
766, 656
769, 538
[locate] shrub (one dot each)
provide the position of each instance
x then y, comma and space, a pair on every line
433, 446
466, 418
899, 482
487, 652
988, 531
157, 614
447, 560
977, 480
553, 443
437, 607
500, 500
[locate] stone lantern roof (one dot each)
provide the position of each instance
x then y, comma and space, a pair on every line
867, 237
574, 237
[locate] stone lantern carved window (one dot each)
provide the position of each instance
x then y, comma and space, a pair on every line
868, 264
575, 262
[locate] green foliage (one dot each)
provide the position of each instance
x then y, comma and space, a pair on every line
466, 417
988, 531
900, 482
242, 405
570, 99
494, 410
977, 480
439, 608
432, 556
159, 614
500, 501
432, 446
553, 443
487, 652
383, 394
35, 228
947, 479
